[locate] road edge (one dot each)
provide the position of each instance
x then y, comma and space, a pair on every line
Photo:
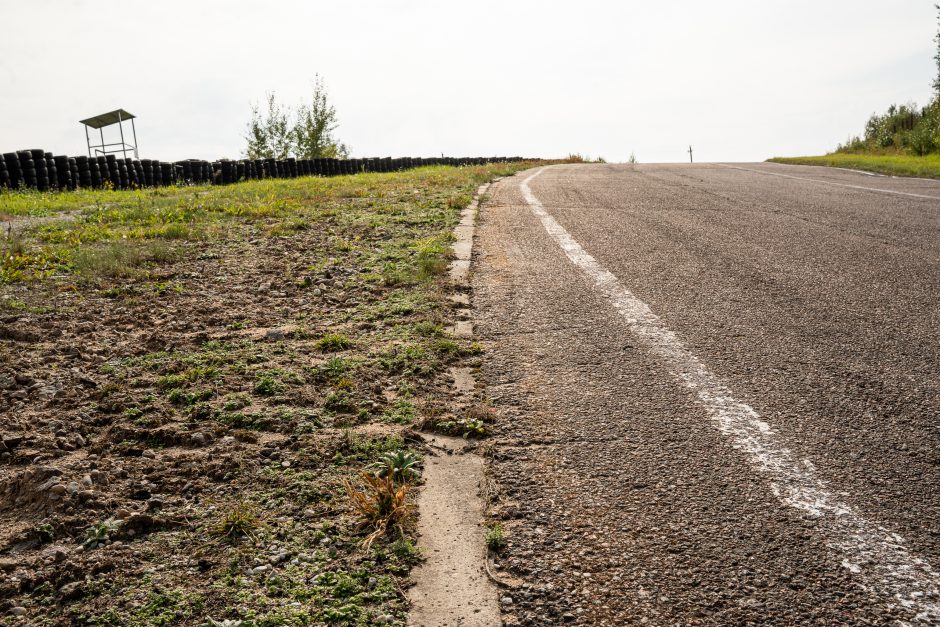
452, 585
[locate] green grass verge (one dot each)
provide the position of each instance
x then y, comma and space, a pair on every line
927, 166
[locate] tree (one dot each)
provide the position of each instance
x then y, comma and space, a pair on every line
312, 134
936, 81
306, 133
269, 137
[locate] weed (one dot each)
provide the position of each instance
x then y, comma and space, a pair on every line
239, 522
381, 502
268, 383
100, 533
402, 412
406, 389
401, 465
465, 427
406, 551
45, 532
495, 538
341, 401
447, 347
335, 367
427, 328
333, 343
408, 358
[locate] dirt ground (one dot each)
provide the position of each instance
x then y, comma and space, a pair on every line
188, 382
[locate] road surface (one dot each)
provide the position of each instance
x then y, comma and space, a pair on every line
718, 394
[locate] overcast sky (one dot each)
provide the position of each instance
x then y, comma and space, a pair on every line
739, 80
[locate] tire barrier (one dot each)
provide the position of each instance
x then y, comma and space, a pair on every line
36, 169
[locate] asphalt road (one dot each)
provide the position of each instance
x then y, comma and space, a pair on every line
718, 394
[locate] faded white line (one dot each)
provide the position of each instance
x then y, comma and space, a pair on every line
878, 558
803, 178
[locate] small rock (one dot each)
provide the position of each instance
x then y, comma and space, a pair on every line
86, 481
506, 600
122, 514
149, 454
279, 558
70, 591
260, 570
275, 335
58, 489
154, 504
18, 611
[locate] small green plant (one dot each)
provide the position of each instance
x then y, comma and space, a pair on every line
236, 401
401, 465
100, 533
406, 551
269, 383
239, 522
45, 532
495, 538
402, 412
473, 426
335, 367
333, 343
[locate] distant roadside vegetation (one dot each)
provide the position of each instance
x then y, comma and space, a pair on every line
903, 141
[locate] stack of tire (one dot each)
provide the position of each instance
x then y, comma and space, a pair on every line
27, 167
12, 162
63, 175
41, 170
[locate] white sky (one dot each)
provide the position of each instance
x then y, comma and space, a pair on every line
739, 80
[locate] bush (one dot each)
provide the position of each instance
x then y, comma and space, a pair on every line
925, 138
901, 129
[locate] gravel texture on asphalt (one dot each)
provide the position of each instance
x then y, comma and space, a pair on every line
814, 301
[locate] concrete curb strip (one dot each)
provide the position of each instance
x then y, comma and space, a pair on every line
452, 586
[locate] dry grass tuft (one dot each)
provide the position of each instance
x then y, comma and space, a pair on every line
381, 502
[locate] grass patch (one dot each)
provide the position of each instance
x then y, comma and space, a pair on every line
927, 166
333, 343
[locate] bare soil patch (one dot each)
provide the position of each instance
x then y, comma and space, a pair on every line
189, 377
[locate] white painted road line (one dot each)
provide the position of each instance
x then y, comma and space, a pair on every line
862, 187
878, 558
